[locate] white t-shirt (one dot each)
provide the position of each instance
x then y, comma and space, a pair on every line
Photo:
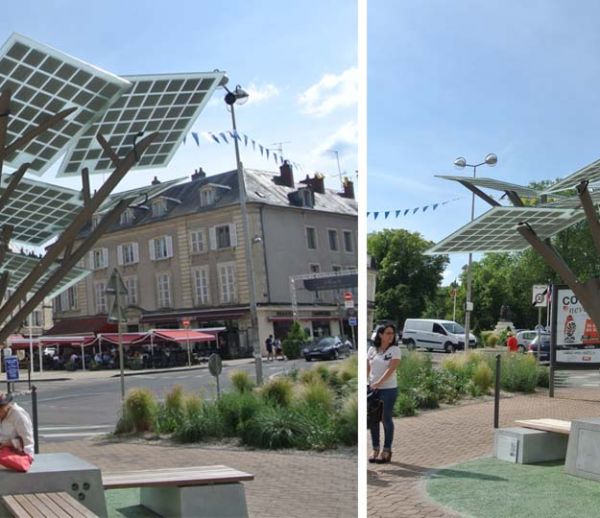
380, 361
17, 424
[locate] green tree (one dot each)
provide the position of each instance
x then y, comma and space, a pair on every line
407, 278
295, 339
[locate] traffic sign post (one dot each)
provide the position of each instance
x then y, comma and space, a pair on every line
186, 325
11, 368
348, 300
215, 366
117, 287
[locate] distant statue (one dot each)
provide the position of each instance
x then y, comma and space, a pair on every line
505, 313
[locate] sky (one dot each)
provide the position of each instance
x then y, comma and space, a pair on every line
298, 61
467, 78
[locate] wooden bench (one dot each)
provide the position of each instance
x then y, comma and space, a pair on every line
45, 505
547, 425
211, 491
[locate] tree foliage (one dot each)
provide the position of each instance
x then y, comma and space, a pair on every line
407, 278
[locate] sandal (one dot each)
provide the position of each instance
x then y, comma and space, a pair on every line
386, 456
374, 456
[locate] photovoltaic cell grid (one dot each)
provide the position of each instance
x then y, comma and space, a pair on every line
571, 202
37, 210
590, 172
19, 266
141, 193
167, 104
496, 185
43, 82
496, 230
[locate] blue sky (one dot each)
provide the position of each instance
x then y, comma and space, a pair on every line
468, 78
298, 61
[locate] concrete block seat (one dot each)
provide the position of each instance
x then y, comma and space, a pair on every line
206, 491
583, 455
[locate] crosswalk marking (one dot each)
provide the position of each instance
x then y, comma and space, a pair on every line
56, 432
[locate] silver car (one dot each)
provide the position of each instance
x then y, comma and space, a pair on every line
524, 338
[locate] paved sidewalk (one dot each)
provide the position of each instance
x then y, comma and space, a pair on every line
451, 435
290, 484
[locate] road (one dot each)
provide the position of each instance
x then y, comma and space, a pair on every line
81, 408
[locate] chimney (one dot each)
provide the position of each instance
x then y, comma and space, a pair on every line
286, 174
156, 181
318, 183
198, 174
348, 189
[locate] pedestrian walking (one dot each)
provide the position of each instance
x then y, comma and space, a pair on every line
512, 343
269, 346
16, 435
278, 349
383, 360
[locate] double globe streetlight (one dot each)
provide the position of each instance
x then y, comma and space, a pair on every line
240, 96
490, 160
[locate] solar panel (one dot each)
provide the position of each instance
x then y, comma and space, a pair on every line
20, 267
496, 230
43, 82
590, 172
497, 185
141, 193
38, 210
167, 104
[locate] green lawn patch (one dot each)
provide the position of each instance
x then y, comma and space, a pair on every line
492, 488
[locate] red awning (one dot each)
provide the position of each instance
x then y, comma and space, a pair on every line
183, 335
307, 317
127, 338
47, 341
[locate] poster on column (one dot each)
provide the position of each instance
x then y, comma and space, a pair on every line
577, 344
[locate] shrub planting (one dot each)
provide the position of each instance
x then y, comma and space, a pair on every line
241, 381
347, 421
140, 408
482, 378
492, 340
278, 391
317, 395
294, 341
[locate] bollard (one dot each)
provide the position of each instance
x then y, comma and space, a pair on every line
497, 393
34, 418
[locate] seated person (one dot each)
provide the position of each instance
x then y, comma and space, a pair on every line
16, 435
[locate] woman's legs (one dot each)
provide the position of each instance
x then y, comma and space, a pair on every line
388, 396
375, 431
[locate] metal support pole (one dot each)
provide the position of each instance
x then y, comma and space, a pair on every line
34, 419
121, 361
551, 379
469, 279
497, 393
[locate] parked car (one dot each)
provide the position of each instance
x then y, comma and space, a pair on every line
524, 338
432, 334
544, 347
326, 348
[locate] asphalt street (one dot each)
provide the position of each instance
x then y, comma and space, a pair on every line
71, 409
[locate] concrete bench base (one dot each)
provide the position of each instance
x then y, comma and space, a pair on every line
583, 455
218, 501
56, 472
527, 446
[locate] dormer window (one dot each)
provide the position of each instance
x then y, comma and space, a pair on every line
308, 197
207, 196
127, 217
96, 218
159, 207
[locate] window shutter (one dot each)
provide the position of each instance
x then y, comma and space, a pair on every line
120, 255
152, 250
90, 259
136, 252
105, 257
212, 234
169, 242
233, 234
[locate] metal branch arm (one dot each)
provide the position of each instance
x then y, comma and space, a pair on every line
75, 227
5, 111
479, 193
67, 264
5, 236
590, 212
514, 198
12, 185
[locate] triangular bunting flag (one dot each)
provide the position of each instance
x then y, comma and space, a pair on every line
368, 214
386, 213
195, 137
435, 206
261, 150
267, 152
415, 210
406, 212
245, 140
398, 213
375, 214
222, 135
425, 208
214, 137
253, 145
184, 139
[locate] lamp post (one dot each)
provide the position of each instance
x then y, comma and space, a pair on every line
461, 163
240, 96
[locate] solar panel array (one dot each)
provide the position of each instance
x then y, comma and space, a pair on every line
496, 230
167, 104
497, 185
20, 267
38, 210
43, 82
590, 172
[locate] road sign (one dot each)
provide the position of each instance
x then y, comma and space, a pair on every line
350, 312
348, 295
215, 364
115, 284
538, 297
185, 323
348, 304
353, 321
11, 367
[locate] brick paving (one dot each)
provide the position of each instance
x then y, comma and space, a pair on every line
286, 484
443, 437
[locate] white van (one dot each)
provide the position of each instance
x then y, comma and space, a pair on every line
435, 335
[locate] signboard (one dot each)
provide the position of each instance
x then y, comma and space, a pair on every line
575, 342
215, 364
353, 321
348, 295
185, 323
538, 296
335, 282
11, 367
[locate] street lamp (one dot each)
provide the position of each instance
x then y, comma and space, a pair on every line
240, 96
461, 163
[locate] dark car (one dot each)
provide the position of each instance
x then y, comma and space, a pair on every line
544, 347
327, 348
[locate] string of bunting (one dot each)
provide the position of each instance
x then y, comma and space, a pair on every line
226, 137
404, 212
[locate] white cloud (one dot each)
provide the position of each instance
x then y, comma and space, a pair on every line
330, 93
344, 141
258, 94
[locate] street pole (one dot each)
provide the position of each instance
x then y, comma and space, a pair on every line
187, 332
253, 331
121, 361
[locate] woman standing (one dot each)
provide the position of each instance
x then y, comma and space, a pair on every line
383, 359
